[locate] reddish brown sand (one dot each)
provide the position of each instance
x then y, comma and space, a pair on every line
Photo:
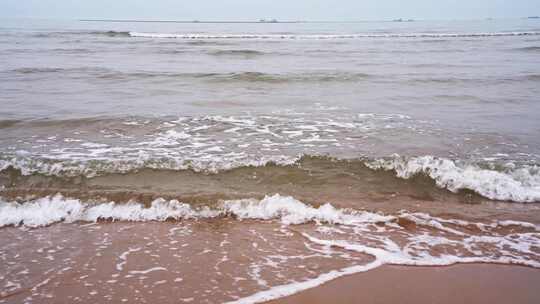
473, 283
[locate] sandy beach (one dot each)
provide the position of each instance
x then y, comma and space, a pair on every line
464, 283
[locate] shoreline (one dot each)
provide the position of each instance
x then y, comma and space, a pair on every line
459, 283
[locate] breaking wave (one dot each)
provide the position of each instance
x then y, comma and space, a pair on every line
508, 183
49, 210
288, 210
516, 184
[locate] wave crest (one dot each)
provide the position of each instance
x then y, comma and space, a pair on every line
518, 185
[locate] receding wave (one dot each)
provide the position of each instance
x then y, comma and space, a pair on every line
333, 36
471, 241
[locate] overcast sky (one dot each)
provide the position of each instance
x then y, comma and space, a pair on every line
281, 9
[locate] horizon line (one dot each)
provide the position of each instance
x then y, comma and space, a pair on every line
186, 21
273, 21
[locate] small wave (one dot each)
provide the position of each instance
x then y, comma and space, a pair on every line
242, 76
248, 76
53, 70
111, 33
42, 35
432, 41
37, 70
463, 80
242, 53
279, 78
205, 43
71, 51
335, 36
8, 123
531, 49
532, 77
79, 33
446, 80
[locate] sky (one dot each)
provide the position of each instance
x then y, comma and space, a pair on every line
212, 10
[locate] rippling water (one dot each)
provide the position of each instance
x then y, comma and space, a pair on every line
96, 98
153, 122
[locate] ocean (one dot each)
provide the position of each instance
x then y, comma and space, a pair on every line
244, 162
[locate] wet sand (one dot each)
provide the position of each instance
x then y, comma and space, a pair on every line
463, 283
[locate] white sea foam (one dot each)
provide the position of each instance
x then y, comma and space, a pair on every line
382, 257
518, 185
291, 211
210, 143
332, 36
281, 291
415, 253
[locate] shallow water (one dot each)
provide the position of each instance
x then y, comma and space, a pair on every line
423, 136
